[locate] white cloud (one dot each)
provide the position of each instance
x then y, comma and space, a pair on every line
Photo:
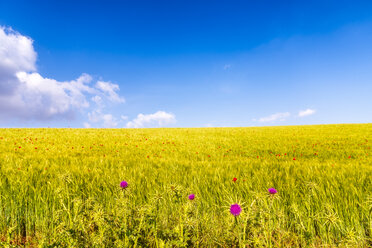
110, 89
16, 54
26, 94
97, 100
87, 125
95, 116
158, 119
306, 112
107, 120
275, 117
36, 97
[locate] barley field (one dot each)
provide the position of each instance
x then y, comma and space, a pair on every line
65, 187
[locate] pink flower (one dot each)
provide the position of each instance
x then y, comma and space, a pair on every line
272, 191
235, 209
124, 184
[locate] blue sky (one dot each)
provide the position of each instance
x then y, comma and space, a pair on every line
185, 63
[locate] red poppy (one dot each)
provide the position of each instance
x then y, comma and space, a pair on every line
234, 179
294, 158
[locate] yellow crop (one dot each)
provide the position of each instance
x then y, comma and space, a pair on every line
61, 187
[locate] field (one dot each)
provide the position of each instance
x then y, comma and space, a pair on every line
61, 187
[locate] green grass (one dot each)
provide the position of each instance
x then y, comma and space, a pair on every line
66, 192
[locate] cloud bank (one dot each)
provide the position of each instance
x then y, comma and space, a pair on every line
27, 95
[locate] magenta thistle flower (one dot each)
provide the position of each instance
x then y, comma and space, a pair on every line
235, 209
272, 191
191, 197
124, 184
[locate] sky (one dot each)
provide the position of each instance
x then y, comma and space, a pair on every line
135, 64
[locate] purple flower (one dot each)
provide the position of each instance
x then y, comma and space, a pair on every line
272, 191
124, 184
191, 197
235, 209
